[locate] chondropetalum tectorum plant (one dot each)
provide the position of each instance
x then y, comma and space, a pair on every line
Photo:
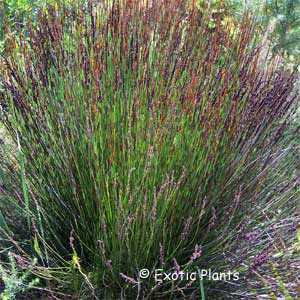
141, 130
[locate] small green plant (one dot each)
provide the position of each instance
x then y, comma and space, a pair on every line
16, 280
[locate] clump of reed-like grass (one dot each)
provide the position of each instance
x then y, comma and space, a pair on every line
142, 136
268, 248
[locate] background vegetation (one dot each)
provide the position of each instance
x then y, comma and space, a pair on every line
285, 37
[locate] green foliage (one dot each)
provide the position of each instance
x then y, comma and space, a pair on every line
286, 36
17, 12
16, 281
279, 278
